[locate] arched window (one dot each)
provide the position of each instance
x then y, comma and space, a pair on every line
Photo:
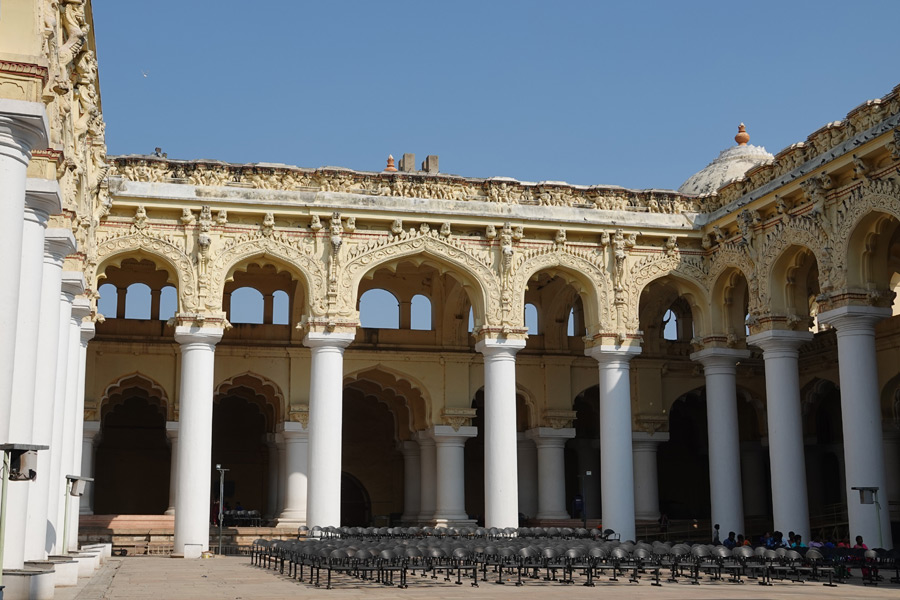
670, 326
246, 306
379, 309
109, 298
531, 319
168, 303
570, 326
420, 313
137, 301
280, 308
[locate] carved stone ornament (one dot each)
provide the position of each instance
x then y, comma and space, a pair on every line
559, 418
300, 415
652, 423
458, 417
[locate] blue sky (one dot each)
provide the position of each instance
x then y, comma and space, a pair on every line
639, 94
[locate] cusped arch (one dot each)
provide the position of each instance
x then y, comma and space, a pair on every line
729, 296
688, 287
588, 279
417, 401
785, 296
472, 272
807, 234
256, 389
864, 259
134, 385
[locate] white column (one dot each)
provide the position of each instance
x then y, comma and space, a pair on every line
589, 462
412, 481
790, 506
428, 478
726, 496
88, 444
616, 461
551, 470
72, 285
325, 417
861, 417
450, 444
58, 243
501, 494
23, 127
646, 483
195, 398
297, 458
87, 332
526, 471
172, 435
271, 441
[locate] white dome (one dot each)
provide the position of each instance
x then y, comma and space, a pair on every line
731, 164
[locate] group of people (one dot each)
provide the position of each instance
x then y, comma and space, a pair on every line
793, 540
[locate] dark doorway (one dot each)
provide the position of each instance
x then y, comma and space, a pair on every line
356, 509
238, 445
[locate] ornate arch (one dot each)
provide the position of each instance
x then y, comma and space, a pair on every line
128, 386
455, 256
298, 258
116, 249
417, 400
688, 273
589, 273
260, 390
799, 231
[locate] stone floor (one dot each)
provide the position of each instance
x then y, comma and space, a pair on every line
235, 578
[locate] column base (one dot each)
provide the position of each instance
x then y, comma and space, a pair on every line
552, 516
290, 518
29, 583
170, 511
454, 522
66, 571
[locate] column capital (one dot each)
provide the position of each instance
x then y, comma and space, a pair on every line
290, 431
187, 335
424, 438
42, 197
780, 340
854, 319
172, 430
609, 354
445, 434
720, 358
72, 284
549, 437
23, 127
91, 429
58, 244
504, 346
641, 440
328, 339
408, 447
88, 331
81, 308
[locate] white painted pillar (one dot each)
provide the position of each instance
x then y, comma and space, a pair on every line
274, 474
325, 417
72, 285
450, 444
551, 470
891, 437
527, 472
87, 332
501, 494
297, 457
23, 127
616, 460
282, 470
726, 495
89, 444
172, 435
428, 478
790, 505
645, 447
58, 243
589, 462
195, 397
412, 481
861, 417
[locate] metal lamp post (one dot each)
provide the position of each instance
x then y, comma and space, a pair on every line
221, 502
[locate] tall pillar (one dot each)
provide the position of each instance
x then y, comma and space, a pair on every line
527, 472
501, 494
450, 444
428, 478
297, 456
23, 127
88, 445
726, 497
274, 475
87, 331
616, 461
172, 436
412, 481
551, 470
58, 243
588, 453
325, 416
195, 397
646, 482
790, 506
72, 285
861, 417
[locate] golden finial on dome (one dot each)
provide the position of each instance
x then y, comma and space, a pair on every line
390, 163
742, 136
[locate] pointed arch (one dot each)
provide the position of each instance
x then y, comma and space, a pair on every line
408, 394
134, 384
256, 389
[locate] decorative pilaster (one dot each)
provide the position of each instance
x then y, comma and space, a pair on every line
644, 448
790, 505
325, 417
450, 443
172, 436
412, 478
501, 495
726, 497
861, 418
194, 467
616, 461
551, 470
296, 456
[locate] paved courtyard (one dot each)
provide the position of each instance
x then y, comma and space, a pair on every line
236, 579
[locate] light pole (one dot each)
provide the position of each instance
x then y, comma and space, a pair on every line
221, 501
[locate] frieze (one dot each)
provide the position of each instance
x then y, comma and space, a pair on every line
458, 417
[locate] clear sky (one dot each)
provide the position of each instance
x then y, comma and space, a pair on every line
640, 94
